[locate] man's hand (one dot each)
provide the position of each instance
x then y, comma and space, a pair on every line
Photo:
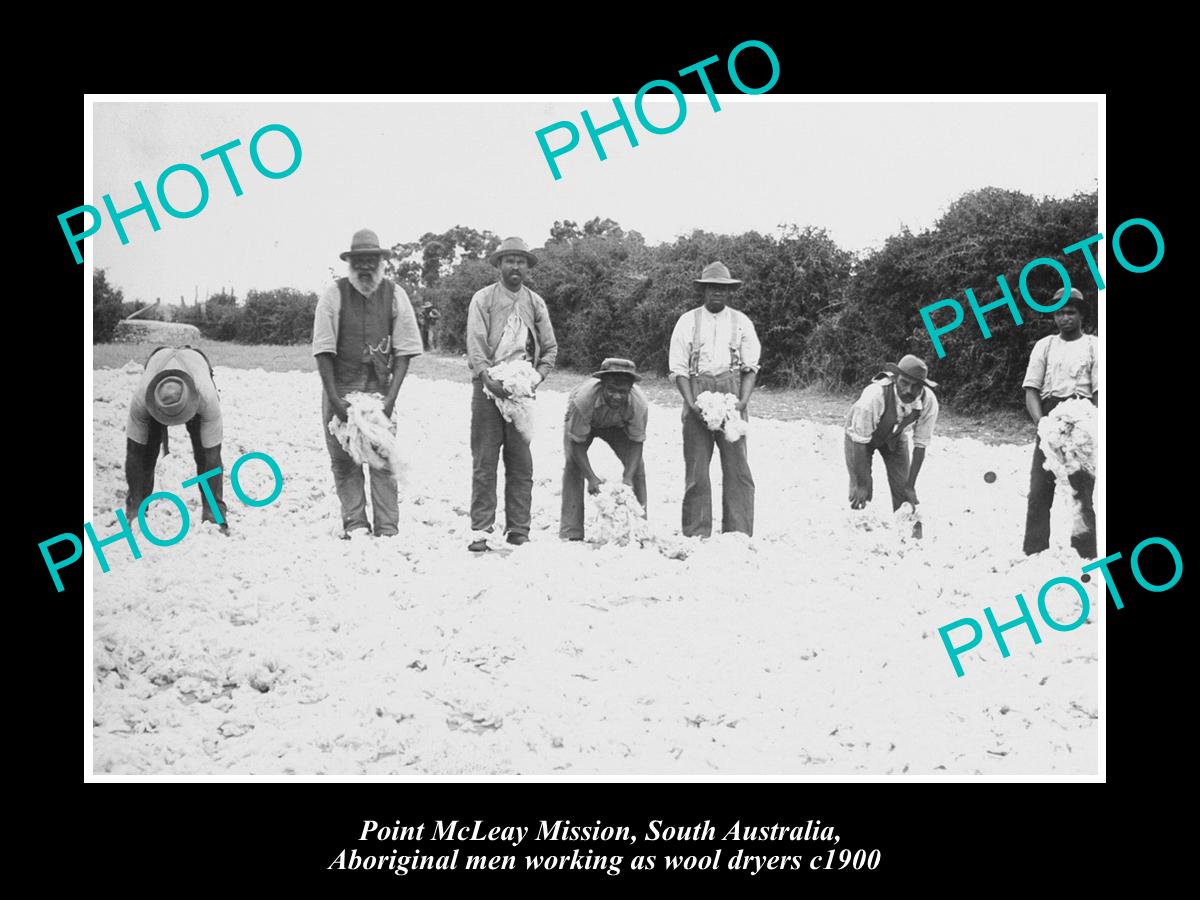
859, 496
741, 406
495, 386
388, 406
340, 407
910, 494
627, 479
594, 485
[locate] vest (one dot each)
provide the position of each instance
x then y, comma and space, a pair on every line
888, 429
364, 343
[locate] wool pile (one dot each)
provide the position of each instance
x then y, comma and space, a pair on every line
1068, 436
720, 413
810, 649
619, 518
367, 434
519, 379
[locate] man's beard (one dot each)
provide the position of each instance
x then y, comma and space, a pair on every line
367, 284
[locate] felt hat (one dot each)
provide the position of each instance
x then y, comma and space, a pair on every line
617, 366
365, 241
716, 273
512, 245
171, 397
1076, 300
911, 367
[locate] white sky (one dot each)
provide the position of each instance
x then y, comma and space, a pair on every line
402, 169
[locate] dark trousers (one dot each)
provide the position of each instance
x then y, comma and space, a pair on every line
350, 484
737, 487
1041, 497
140, 460
489, 434
895, 461
571, 522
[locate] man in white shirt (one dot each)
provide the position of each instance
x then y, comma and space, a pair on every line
715, 348
896, 411
1061, 366
176, 388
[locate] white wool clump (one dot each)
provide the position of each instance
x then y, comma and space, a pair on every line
518, 377
720, 413
367, 434
619, 517
1068, 437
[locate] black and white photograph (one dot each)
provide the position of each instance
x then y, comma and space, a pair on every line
473, 438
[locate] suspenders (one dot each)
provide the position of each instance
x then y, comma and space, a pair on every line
735, 349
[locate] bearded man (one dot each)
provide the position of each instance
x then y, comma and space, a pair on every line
364, 334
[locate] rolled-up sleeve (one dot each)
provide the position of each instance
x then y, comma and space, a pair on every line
678, 356
406, 336
1035, 374
325, 321
926, 421
751, 348
635, 428
477, 348
865, 415
577, 425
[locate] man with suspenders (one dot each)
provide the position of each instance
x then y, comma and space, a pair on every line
715, 348
896, 410
1061, 366
364, 334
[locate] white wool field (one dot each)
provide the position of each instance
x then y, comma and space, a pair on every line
810, 649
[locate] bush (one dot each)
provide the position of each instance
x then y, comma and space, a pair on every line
107, 307
280, 316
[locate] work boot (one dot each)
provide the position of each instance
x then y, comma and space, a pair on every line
480, 543
517, 539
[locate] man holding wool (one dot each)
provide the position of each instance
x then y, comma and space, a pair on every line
506, 322
715, 348
609, 406
896, 416
364, 334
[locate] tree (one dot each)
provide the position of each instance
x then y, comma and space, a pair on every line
107, 307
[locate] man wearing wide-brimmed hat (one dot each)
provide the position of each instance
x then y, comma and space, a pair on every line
506, 321
428, 318
364, 334
1061, 366
610, 406
176, 388
896, 411
715, 348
